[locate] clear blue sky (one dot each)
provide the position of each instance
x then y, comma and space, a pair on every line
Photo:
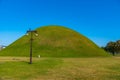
98, 20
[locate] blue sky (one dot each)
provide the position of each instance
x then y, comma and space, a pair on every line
99, 20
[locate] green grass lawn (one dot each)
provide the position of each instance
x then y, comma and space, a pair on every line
18, 68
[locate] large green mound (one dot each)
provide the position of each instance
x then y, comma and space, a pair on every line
55, 41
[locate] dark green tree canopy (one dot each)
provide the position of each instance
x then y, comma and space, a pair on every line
113, 47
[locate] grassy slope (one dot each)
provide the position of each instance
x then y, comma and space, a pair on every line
55, 41
62, 69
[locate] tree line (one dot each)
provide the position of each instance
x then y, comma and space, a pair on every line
112, 47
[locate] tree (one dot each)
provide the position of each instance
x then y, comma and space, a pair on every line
117, 46
113, 47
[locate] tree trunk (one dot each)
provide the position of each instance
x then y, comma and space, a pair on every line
113, 53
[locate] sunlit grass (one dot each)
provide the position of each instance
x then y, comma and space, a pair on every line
20, 69
55, 41
60, 68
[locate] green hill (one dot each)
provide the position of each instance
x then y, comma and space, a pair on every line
55, 41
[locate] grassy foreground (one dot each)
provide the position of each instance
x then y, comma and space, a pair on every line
60, 68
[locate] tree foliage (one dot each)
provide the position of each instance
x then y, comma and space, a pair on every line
113, 47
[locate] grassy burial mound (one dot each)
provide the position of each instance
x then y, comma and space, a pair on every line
54, 41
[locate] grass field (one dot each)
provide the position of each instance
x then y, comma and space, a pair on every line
18, 68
